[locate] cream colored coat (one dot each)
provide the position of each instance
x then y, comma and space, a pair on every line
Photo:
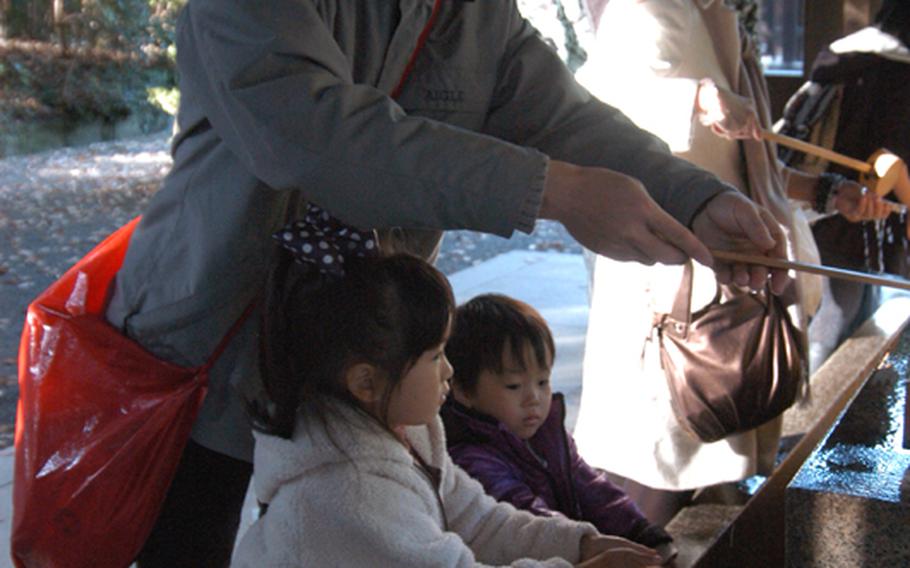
649, 58
345, 492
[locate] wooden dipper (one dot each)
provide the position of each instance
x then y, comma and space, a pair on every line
879, 173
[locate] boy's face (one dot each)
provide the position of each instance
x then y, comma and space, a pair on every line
519, 397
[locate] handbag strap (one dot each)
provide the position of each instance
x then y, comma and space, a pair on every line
681, 312
682, 304
222, 345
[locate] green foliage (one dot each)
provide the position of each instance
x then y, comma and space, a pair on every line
164, 98
105, 58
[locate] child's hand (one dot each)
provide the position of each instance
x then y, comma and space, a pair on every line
600, 551
668, 553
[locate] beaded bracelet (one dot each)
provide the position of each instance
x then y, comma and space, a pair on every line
826, 191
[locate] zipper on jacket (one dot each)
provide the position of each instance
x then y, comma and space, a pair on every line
573, 494
433, 476
421, 40
573, 504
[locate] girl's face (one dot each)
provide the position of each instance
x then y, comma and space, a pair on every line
518, 397
422, 390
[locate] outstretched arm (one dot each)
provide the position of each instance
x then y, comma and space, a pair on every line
852, 200
611, 214
271, 81
902, 190
538, 103
612, 184
586, 200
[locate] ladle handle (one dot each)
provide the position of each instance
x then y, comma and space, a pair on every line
841, 273
818, 151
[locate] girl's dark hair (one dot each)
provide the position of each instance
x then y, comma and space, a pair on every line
485, 327
384, 311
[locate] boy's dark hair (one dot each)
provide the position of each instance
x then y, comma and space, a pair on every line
385, 311
485, 327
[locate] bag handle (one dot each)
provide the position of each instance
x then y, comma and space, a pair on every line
682, 304
681, 313
222, 345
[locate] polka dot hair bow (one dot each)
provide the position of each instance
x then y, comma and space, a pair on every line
324, 242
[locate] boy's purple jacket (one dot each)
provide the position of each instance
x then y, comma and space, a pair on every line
554, 481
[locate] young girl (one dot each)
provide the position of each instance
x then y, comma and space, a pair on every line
350, 457
505, 425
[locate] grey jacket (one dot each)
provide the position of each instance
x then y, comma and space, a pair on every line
287, 100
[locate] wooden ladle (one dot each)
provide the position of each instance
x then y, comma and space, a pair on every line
880, 172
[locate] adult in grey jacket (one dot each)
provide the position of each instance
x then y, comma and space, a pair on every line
289, 101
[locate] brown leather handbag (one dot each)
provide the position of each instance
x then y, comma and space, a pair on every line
733, 365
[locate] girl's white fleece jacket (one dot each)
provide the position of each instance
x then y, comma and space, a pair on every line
346, 493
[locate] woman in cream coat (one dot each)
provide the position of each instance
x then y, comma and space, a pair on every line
681, 69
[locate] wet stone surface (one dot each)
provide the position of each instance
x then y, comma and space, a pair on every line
863, 455
850, 501
56, 206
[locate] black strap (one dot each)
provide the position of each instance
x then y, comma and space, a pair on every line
222, 345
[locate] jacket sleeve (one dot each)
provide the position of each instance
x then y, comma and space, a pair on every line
499, 479
345, 517
279, 91
497, 532
539, 104
608, 508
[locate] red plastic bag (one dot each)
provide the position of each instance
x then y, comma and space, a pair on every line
100, 428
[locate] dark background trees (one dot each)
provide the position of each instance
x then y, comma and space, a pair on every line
85, 59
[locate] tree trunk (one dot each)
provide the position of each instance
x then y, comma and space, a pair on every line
33, 18
5, 7
35, 12
59, 25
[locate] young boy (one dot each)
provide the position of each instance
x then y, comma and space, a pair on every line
505, 426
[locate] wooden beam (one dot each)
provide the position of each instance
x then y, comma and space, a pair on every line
823, 24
